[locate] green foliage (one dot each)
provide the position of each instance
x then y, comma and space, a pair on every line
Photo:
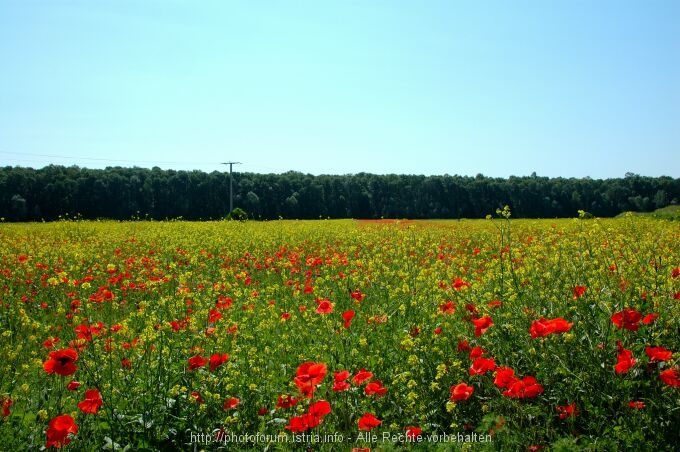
136, 193
237, 214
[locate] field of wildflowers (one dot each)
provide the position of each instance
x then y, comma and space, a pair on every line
492, 334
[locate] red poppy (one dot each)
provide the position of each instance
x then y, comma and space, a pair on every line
217, 360
368, 422
61, 362
438, 330
93, 401
375, 387
214, 315
6, 402
231, 403
628, 319
319, 409
495, 304
461, 391
567, 411
447, 308
463, 346
325, 307
285, 316
476, 352
481, 325
650, 318
527, 387
480, 366
357, 295
637, 404
505, 376
675, 273
542, 327
625, 359
73, 385
671, 377
50, 342
309, 375
471, 308
223, 302
196, 397
413, 432
197, 361
339, 383
286, 401
347, 317
59, 429
362, 376
459, 284
579, 291
658, 353
297, 424
313, 417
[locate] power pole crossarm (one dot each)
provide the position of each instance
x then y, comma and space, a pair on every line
231, 184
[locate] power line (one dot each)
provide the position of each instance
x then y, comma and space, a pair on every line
231, 185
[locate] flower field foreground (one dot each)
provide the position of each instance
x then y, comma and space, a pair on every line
341, 335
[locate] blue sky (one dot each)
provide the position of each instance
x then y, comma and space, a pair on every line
561, 88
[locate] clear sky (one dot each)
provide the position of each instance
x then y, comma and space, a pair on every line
568, 88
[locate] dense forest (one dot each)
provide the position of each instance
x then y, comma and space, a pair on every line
124, 193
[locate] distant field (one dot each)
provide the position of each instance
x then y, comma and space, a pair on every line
341, 335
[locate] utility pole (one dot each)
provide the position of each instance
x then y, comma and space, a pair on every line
231, 185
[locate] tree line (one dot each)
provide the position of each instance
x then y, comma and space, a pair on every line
54, 192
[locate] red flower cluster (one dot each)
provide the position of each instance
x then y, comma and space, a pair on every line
311, 419
543, 327
567, 411
526, 387
286, 401
215, 360
629, 319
